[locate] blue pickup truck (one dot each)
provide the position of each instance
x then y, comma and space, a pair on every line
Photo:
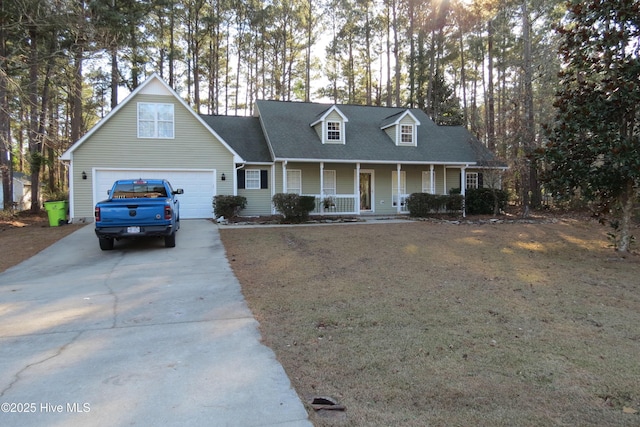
138, 208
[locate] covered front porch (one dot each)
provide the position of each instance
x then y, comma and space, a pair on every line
368, 188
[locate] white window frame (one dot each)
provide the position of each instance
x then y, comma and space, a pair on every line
159, 119
329, 182
471, 180
407, 130
294, 181
252, 179
334, 135
426, 182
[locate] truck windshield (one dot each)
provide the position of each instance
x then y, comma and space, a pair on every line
138, 190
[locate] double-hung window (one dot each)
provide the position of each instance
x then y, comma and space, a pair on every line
406, 134
329, 182
252, 179
155, 120
334, 132
294, 181
472, 179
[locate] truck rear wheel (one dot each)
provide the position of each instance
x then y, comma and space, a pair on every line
105, 244
170, 240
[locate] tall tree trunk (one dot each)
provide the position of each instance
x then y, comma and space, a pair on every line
412, 55
627, 201
389, 87
463, 77
491, 112
172, 46
531, 196
396, 53
368, 76
35, 144
196, 76
76, 96
6, 169
307, 65
432, 77
115, 78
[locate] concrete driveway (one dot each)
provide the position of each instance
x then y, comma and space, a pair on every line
141, 335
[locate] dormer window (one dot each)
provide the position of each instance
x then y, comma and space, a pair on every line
406, 134
402, 128
333, 131
330, 126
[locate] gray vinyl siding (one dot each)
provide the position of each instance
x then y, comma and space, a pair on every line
279, 184
310, 178
391, 133
453, 179
414, 178
116, 145
318, 129
439, 172
345, 177
258, 202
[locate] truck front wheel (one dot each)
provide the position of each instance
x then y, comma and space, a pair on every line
105, 244
170, 240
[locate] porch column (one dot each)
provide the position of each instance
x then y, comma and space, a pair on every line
398, 168
463, 188
357, 201
321, 179
444, 190
321, 201
432, 183
284, 176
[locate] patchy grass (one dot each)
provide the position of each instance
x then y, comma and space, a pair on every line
23, 234
437, 324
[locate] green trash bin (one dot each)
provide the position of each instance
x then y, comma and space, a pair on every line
57, 212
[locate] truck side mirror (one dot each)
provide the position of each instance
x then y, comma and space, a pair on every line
179, 191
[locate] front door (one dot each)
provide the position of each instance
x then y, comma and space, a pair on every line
366, 190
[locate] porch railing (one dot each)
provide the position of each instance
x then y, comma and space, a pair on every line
337, 204
403, 202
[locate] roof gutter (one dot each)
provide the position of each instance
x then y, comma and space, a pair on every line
384, 162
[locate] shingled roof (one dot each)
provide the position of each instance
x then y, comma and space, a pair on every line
283, 131
243, 134
287, 129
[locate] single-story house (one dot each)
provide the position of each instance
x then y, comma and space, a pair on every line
21, 192
353, 159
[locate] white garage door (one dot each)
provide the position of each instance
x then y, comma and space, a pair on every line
198, 185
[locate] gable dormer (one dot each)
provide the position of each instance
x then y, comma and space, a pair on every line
331, 126
402, 128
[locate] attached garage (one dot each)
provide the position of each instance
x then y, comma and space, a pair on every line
198, 184
153, 133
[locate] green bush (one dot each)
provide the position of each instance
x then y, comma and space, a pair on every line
480, 201
228, 206
424, 204
293, 207
454, 203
